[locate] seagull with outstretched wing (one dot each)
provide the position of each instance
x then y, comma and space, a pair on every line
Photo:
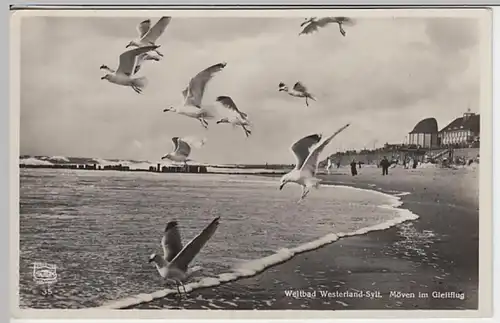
312, 24
237, 118
173, 266
127, 68
298, 90
307, 162
181, 151
193, 95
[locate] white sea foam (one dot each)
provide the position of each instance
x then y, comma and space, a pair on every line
253, 267
59, 158
33, 161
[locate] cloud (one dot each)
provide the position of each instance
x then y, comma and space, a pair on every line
383, 77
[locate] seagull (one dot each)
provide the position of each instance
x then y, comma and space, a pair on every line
314, 23
193, 95
238, 119
181, 151
127, 68
173, 266
148, 35
307, 162
140, 59
299, 90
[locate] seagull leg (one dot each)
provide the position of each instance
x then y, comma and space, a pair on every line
136, 89
202, 123
247, 132
157, 52
342, 31
307, 103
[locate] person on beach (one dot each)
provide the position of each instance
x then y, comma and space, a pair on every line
385, 166
415, 163
354, 171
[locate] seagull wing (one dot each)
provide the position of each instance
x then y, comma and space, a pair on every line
345, 20
187, 254
175, 140
326, 20
155, 32
185, 93
302, 146
311, 163
141, 59
181, 147
138, 63
310, 28
128, 59
171, 241
196, 86
228, 103
143, 27
299, 87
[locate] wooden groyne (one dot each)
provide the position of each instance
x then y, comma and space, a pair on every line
195, 169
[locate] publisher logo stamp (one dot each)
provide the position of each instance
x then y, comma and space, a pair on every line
44, 274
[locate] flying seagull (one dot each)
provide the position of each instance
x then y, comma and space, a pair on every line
314, 23
127, 68
307, 162
237, 118
173, 266
181, 151
139, 61
299, 91
193, 95
148, 35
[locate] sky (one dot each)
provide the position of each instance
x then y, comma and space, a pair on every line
385, 76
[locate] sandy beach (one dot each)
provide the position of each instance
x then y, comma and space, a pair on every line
423, 264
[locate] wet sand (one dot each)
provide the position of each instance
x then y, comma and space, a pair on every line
436, 253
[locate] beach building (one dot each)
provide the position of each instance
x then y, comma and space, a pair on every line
462, 130
424, 134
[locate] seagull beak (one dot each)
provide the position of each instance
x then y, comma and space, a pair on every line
281, 186
102, 78
150, 261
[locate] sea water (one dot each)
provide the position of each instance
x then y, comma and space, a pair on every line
100, 227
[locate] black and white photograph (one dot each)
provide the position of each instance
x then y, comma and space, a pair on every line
314, 160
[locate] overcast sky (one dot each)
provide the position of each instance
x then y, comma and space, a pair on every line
383, 77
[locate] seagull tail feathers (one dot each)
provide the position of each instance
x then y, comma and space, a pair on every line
140, 82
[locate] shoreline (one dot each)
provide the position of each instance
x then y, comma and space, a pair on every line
427, 263
378, 263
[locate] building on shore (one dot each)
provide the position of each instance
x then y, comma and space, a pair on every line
424, 134
461, 131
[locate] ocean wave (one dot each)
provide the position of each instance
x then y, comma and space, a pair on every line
59, 158
33, 161
254, 267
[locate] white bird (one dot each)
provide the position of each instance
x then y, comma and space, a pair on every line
299, 91
307, 162
148, 35
238, 118
127, 68
181, 151
193, 95
314, 23
173, 266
